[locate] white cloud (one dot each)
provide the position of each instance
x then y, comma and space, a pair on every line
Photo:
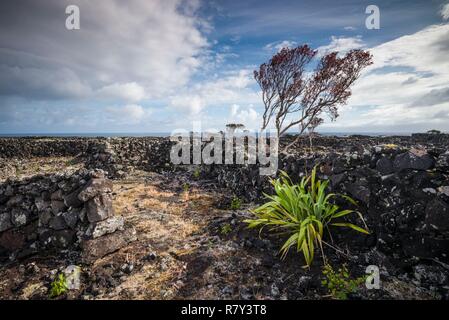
444, 12
192, 104
234, 109
424, 51
279, 45
248, 117
156, 44
232, 88
152, 49
131, 91
41, 83
128, 114
406, 88
134, 111
19, 115
342, 45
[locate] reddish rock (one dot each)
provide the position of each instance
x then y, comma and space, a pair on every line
12, 240
97, 248
57, 206
94, 188
99, 208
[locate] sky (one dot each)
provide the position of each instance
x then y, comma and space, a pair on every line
161, 65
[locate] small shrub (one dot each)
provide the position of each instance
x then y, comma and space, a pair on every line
236, 203
197, 173
225, 229
71, 162
339, 283
18, 170
58, 286
209, 244
186, 187
302, 211
390, 146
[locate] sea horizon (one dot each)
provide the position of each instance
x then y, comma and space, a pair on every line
166, 134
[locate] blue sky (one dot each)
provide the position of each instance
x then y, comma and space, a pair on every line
156, 66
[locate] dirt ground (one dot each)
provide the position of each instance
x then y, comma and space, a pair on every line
190, 245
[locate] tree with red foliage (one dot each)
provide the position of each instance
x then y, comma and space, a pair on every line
296, 96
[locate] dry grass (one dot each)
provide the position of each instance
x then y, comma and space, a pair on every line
133, 197
19, 169
166, 219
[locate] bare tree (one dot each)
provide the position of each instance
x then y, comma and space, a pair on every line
296, 95
234, 126
311, 128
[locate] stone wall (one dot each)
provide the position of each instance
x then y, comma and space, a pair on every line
116, 156
59, 211
402, 190
119, 156
29, 147
401, 184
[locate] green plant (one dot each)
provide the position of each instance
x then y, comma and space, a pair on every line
18, 170
58, 286
186, 187
196, 173
236, 203
339, 283
225, 229
209, 244
69, 162
302, 211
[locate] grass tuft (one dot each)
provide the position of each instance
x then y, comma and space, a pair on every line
302, 212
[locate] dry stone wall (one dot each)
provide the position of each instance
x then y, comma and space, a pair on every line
59, 211
118, 156
401, 184
28, 147
402, 189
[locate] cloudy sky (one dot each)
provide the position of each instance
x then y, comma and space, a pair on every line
158, 65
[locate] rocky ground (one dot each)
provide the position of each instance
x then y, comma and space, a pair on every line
191, 245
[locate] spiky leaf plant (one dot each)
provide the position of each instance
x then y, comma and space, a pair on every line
302, 211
